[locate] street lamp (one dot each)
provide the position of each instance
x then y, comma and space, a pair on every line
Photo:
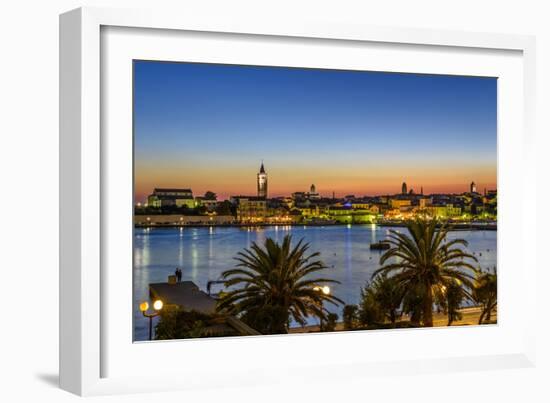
157, 306
325, 290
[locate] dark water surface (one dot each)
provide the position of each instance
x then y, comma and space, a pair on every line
204, 253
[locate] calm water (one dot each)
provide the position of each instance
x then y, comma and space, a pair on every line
204, 253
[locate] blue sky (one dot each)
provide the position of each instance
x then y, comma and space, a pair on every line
206, 125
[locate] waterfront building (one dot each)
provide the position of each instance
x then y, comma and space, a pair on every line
208, 203
262, 182
163, 197
444, 211
374, 209
398, 203
310, 210
250, 209
174, 220
424, 202
345, 215
278, 213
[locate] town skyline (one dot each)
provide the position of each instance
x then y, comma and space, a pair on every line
393, 189
207, 126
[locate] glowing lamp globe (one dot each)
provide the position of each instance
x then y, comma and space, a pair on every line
157, 305
144, 306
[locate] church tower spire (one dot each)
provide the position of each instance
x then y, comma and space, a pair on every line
262, 182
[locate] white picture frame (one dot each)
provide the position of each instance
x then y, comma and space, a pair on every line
88, 315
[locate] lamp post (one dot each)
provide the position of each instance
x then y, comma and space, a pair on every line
325, 290
157, 306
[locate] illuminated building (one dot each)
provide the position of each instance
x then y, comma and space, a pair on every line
424, 202
262, 182
250, 208
398, 203
313, 195
444, 211
162, 197
208, 203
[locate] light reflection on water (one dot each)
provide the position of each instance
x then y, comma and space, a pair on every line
204, 253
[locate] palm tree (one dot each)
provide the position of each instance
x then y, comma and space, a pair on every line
412, 305
423, 260
349, 316
389, 295
276, 285
370, 313
485, 293
453, 299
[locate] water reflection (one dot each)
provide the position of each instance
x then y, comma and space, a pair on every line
204, 253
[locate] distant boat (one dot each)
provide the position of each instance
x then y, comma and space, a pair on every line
381, 245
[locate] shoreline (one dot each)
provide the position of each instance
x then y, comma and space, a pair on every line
453, 227
470, 317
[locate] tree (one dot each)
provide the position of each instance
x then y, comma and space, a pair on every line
277, 277
453, 298
485, 293
210, 195
201, 210
175, 323
349, 316
423, 260
185, 210
330, 324
380, 301
389, 295
370, 312
225, 208
413, 305
265, 318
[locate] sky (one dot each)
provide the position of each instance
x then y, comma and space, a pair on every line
208, 127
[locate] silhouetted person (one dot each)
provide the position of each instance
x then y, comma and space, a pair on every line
178, 274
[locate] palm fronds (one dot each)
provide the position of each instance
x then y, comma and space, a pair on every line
278, 278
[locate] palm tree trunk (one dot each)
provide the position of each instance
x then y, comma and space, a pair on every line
428, 308
416, 314
483, 313
490, 308
393, 317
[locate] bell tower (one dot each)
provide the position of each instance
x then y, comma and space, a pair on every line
262, 182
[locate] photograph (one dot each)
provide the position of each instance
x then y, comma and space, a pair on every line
266, 202
273, 200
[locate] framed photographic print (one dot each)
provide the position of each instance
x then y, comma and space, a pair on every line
264, 192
